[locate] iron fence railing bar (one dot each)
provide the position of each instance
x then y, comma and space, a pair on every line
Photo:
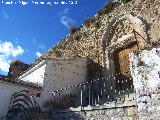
88, 82
99, 90
95, 92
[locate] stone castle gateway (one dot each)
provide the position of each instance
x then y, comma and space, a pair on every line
116, 44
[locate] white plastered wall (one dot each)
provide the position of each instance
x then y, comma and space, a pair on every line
61, 74
35, 75
6, 91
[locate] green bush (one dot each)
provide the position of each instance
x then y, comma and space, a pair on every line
109, 6
89, 21
73, 29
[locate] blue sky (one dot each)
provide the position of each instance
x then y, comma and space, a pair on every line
27, 31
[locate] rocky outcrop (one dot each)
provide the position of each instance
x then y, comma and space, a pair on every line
16, 69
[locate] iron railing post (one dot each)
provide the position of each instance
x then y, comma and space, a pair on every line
81, 97
89, 97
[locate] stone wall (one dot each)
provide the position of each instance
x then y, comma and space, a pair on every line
145, 68
99, 36
124, 113
90, 39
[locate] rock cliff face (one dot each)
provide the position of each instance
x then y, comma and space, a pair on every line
16, 69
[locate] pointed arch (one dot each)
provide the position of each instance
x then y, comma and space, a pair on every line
122, 27
119, 34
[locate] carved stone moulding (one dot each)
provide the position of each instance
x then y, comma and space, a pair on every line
124, 30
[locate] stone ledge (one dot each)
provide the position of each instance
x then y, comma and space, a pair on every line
109, 105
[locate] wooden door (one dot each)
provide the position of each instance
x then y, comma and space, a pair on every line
122, 67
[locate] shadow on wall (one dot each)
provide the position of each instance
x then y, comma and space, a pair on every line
99, 89
66, 115
59, 115
23, 106
95, 70
65, 98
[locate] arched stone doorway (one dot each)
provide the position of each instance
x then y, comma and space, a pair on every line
119, 41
